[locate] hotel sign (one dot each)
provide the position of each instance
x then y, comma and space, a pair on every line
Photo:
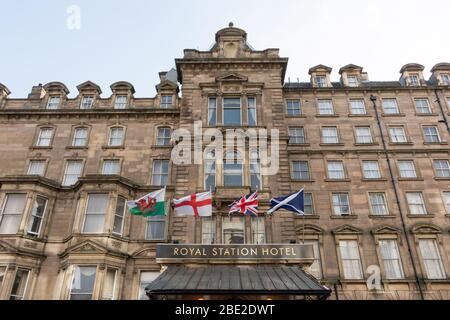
236, 252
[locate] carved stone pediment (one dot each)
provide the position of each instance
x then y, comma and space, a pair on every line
145, 253
88, 246
167, 85
347, 229
385, 229
7, 248
232, 77
309, 229
425, 228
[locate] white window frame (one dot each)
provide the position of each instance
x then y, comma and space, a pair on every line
113, 138
394, 135
160, 174
340, 204
212, 121
421, 108
353, 81
166, 104
25, 287
360, 110
77, 138
73, 280
431, 137
359, 274
256, 229
415, 204
51, 104
158, 219
374, 206
42, 166
363, 139
64, 183
290, 110
371, 169
120, 216
118, 104
2, 212
117, 165
399, 162
236, 160
329, 111
295, 137
49, 139
441, 171
33, 216
333, 173
321, 81
213, 234
162, 139
391, 109
95, 214
438, 259
299, 164
251, 107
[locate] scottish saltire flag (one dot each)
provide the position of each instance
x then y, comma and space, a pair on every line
293, 202
247, 205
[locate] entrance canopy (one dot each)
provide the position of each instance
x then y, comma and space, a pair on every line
236, 280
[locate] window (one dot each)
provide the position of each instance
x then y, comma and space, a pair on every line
330, 135
378, 204
37, 216
371, 170
73, 172
111, 166
255, 171
308, 204
36, 167
53, 102
336, 170
398, 135
121, 102
232, 111
300, 170
2, 276
210, 170
145, 279
258, 230
233, 173
341, 204
415, 203
233, 230
352, 81
446, 196
45, 137
296, 135
442, 168
119, 216
212, 112
316, 268
422, 106
116, 137
251, 114
163, 137
208, 230
87, 102
407, 169
20, 285
156, 228
431, 134
414, 80
293, 107
363, 135
357, 106
80, 137
166, 101
445, 79
431, 259
351, 261
83, 283
109, 284
11, 214
391, 259
160, 172
321, 81
95, 213
325, 107
390, 106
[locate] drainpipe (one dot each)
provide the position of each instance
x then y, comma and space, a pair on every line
444, 118
397, 197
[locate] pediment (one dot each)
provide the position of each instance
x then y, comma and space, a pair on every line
166, 85
232, 77
89, 85
425, 228
144, 253
5, 247
88, 246
385, 229
347, 229
309, 229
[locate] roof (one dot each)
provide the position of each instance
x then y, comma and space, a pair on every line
338, 85
236, 279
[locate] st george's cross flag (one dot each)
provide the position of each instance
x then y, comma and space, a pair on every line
152, 204
247, 205
199, 205
293, 202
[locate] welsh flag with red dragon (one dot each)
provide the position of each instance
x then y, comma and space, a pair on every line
150, 205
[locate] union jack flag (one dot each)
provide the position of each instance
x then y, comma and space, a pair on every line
247, 205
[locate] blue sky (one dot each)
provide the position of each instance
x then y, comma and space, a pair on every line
133, 40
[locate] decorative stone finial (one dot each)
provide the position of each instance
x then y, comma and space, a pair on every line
231, 24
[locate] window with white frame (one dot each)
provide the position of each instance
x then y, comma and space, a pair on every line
87, 102
160, 172
20, 285
37, 216
308, 204
413, 80
316, 267
251, 111
73, 171
341, 203
166, 101
390, 106
233, 230
325, 107
233, 174
296, 135
94, 220
442, 168
83, 282
422, 106
232, 111
431, 134
416, 203
53, 102
258, 229
300, 170
208, 230
109, 284
111, 166
321, 81
116, 137
445, 79
293, 107
119, 216
363, 135
212, 111
156, 228
351, 260
36, 167
446, 198
357, 106
121, 102
335, 170
45, 137
11, 214
378, 204
407, 169
371, 169
163, 136
397, 135
210, 170
146, 278
432, 260
352, 81
330, 135
392, 262
80, 136
255, 171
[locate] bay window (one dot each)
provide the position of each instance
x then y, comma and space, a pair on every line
20, 285
11, 214
37, 216
94, 220
233, 173
83, 283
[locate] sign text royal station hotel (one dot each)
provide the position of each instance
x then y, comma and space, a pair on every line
372, 157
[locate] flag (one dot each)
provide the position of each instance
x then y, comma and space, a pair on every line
199, 204
247, 205
293, 202
152, 204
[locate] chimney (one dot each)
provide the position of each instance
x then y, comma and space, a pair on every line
37, 92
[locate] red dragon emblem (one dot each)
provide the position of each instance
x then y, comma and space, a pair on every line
147, 205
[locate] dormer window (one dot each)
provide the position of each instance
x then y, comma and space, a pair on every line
53, 102
414, 80
121, 102
352, 81
321, 81
445, 79
166, 101
87, 102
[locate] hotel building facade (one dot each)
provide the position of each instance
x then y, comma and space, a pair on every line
372, 157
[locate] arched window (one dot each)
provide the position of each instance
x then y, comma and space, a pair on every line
233, 175
210, 170
255, 171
